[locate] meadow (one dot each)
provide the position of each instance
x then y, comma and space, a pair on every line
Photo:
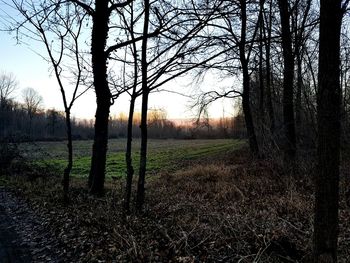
163, 155
206, 201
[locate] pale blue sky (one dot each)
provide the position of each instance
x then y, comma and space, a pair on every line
33, 71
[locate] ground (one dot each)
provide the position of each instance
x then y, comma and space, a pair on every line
220, 207
163, 155
11, 247
19, 230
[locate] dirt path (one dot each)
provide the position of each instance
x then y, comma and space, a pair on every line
12, 248
23, 236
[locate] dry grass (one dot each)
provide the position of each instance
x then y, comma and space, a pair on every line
249, 211
240, 213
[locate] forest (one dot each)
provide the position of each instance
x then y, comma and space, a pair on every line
24, 122
270, 184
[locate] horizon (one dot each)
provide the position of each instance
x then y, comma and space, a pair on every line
34, 72
25, 59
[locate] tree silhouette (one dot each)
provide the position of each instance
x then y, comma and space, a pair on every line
328, 146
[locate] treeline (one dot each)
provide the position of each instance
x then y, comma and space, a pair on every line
15, 122
50, 124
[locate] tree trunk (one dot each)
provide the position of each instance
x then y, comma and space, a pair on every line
103, 96
261, 69
68, 169
253, 143
140, 198
30, 127
269, 104
328, 150
299, 52
128, 158
298, 95
99, 150
288, 77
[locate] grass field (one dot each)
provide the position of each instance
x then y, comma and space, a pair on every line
166, 155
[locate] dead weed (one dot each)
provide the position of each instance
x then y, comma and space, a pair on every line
249, 211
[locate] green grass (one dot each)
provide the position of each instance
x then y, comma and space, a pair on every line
166, 155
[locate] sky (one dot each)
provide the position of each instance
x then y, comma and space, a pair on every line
31, 70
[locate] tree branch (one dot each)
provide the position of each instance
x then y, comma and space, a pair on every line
119, 5
86, 7
129, 42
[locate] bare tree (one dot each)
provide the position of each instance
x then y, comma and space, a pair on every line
328, 117
59, 23
244, 59
267, 31
166, 57
102, 15
300, 18
144, 108
133, 96
8, 85
236, 35
169, 57
32, 102
288, 78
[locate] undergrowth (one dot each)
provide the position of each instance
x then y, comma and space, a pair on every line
248, 211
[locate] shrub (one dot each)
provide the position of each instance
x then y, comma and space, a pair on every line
8, 152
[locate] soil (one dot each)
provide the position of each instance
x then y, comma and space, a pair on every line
22, 237
12, 248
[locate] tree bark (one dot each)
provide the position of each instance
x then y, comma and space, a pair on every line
128, 158
253, 143
288, 77
328, 150
103, 96
99, 150
269, 104
298, 95
140, 198
261, 69
68, 169
299, 53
